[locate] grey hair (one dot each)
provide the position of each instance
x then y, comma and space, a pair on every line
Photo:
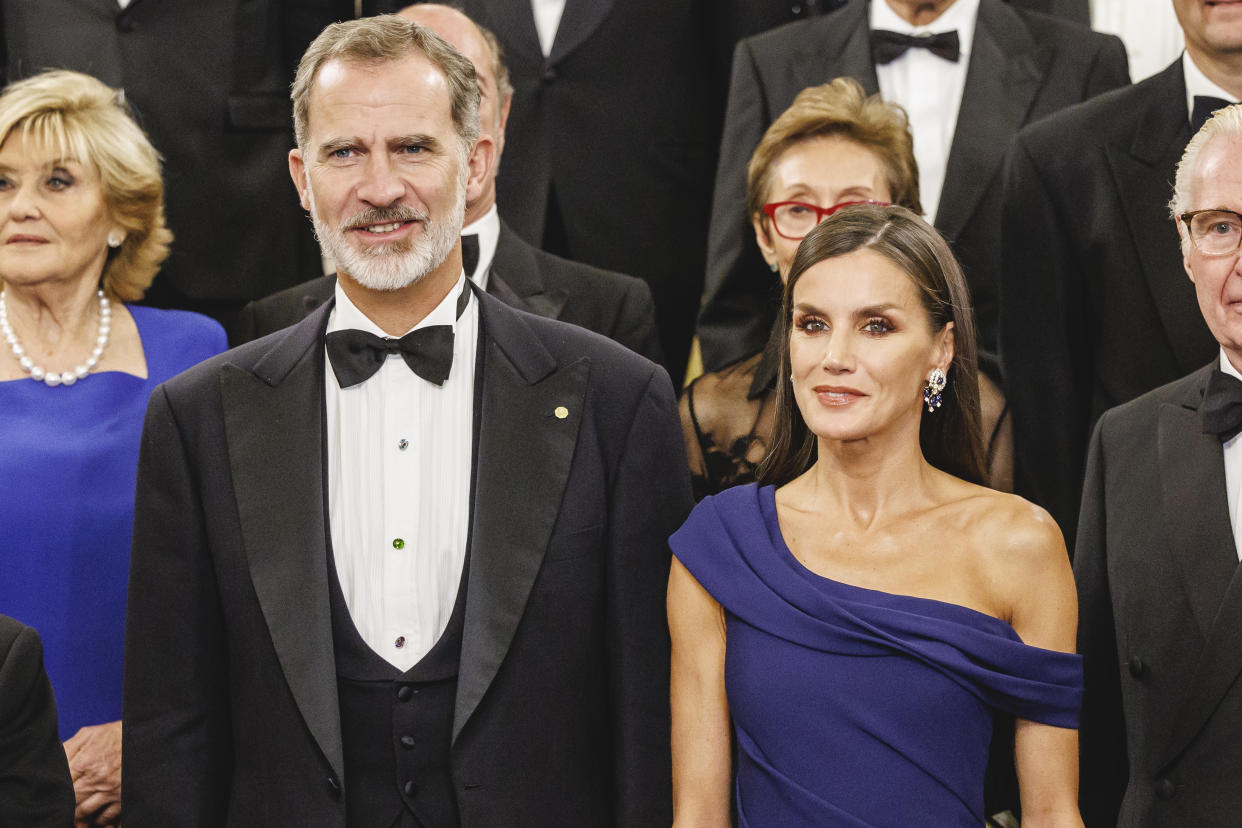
382, 39
1224, 123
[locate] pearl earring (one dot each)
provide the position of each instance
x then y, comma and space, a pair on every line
114, 240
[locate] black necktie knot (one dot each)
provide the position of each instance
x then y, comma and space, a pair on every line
887, 46
1222, 406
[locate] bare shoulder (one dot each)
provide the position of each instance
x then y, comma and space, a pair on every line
1024, 566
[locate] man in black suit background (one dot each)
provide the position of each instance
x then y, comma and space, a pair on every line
35, 789
368, 595
519, 274
1160, 589
1007, 67
611, 145
208, 81
1095, 309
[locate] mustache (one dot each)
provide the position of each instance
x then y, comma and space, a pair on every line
383, 215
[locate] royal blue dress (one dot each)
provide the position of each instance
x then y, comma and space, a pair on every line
68, 462
854, 707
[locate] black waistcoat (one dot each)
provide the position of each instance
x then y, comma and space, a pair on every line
396, 727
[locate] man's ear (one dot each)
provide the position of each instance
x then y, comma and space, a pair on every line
297, 171
482, 157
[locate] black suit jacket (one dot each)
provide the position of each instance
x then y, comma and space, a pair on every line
1095, 305
621, 122
1023, 66
523, 277
209, 82
35, 789
1160, 618
231, 712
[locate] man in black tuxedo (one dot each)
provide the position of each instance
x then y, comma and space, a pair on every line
1020, 66
418, 591
1160, 589
1094, 307
517, 273
616, 122
35, 789
208, 80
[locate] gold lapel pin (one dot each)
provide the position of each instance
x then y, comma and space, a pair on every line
561, 412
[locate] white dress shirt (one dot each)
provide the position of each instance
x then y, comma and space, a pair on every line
1198, 83
548, 15
929, 88
487, 228
1233, 468
1149, 28
399, 470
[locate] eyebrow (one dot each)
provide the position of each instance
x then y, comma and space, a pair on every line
870, 310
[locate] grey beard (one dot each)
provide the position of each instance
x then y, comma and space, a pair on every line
394, 265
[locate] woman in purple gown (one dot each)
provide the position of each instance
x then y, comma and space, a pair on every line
857, 618
81, 234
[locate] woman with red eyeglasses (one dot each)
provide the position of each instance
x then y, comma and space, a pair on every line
834, 146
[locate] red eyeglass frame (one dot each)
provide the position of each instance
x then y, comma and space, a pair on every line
821, 213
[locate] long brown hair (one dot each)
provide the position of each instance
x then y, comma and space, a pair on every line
950, 438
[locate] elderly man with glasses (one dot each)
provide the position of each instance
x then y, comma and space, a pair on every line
1156, 558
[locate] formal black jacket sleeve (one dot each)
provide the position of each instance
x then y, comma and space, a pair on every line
176, 742
35, 789
1102, 736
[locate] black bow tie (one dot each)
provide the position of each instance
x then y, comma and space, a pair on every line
356, 355
887, 46
1205, 105
470, 254
1222, 406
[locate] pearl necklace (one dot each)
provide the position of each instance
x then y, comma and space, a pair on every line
53, 378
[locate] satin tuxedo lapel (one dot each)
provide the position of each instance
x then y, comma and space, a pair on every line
1196, 517
579, 22
516, 280
837, 45
1007, 68
524, 447
273, 417
1142, 172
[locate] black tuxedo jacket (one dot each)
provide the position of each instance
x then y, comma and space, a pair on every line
231, 712
1160, 618
1096, 308
35, 789
744, 18
1023, 66
209, 82
619, 126
523, 277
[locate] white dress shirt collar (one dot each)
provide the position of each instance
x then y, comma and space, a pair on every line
346, 316
1198, 83
487, 228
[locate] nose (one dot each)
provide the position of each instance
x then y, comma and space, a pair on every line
23, 203
838, 353
380, 185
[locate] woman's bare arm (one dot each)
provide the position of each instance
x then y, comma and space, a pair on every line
701, 747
